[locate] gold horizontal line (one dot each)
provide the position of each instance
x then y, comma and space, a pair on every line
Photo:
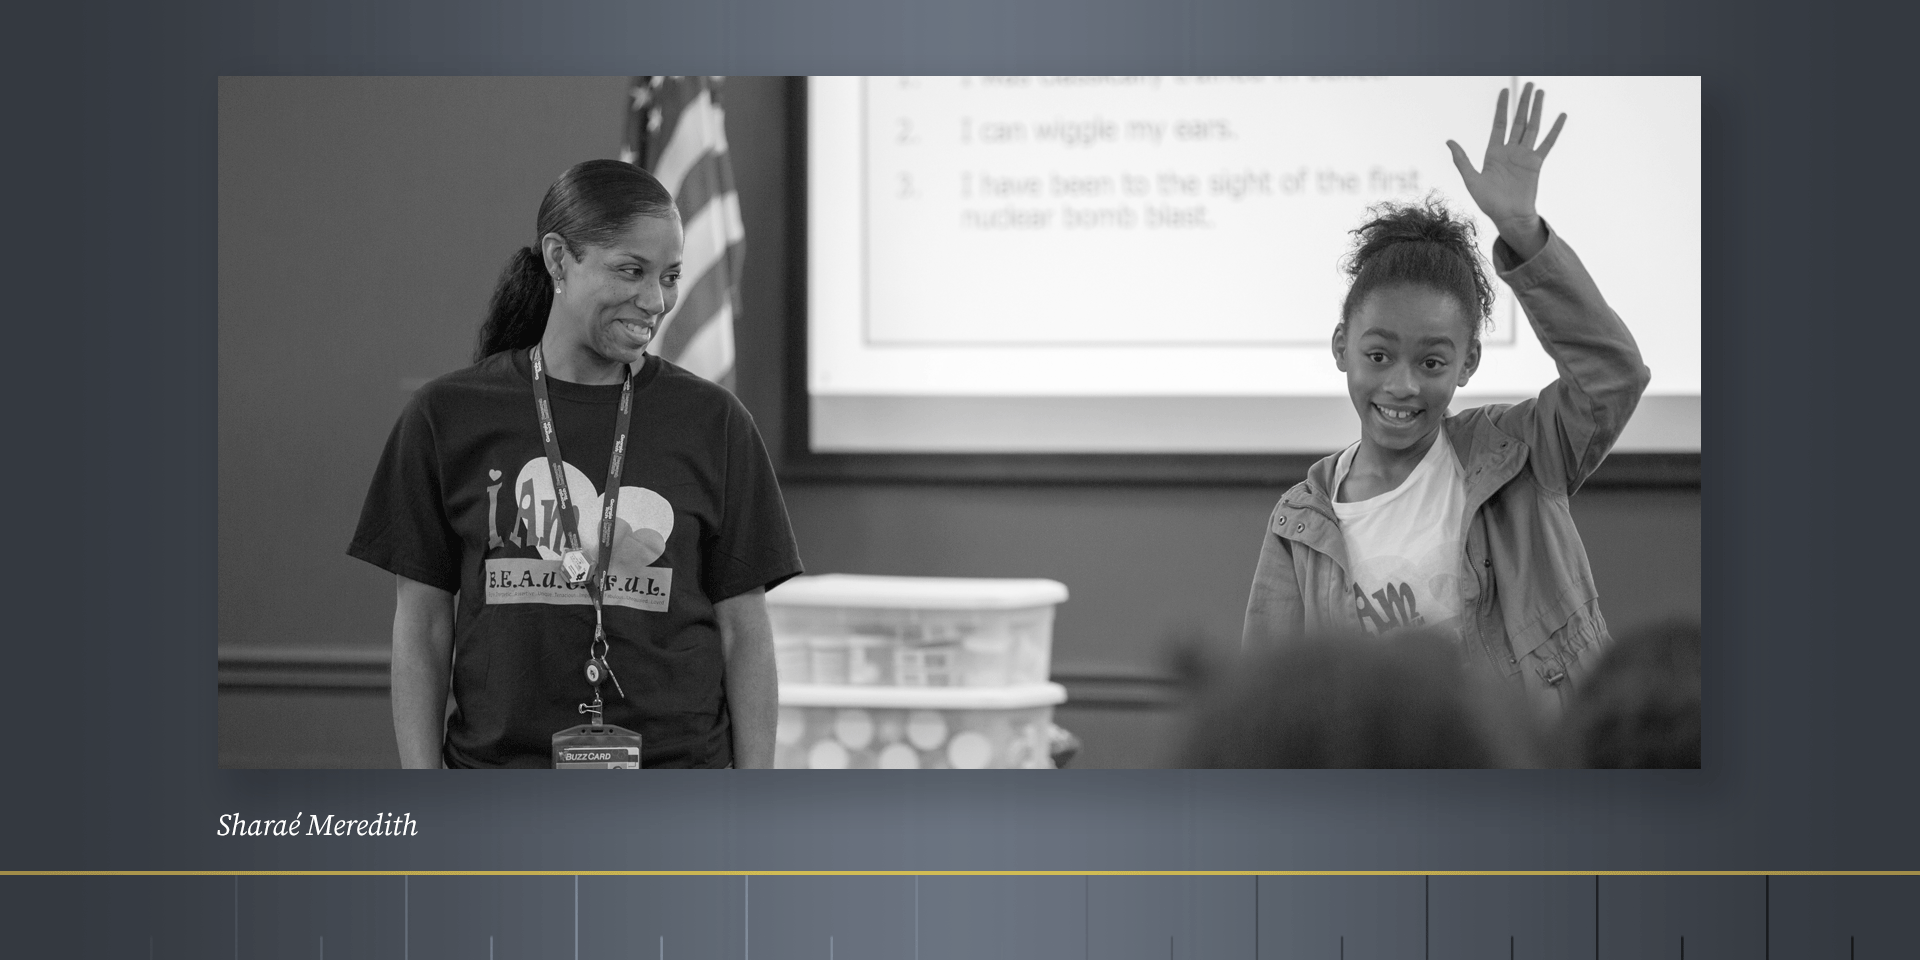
959, 873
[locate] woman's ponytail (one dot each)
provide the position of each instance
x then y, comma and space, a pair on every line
517, 313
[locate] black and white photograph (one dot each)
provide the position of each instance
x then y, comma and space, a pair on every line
959, 422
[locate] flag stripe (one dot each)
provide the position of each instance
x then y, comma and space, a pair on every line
696, 132
709, 294
714, 239
710, 353
710, 176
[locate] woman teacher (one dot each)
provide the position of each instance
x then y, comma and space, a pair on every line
520, 589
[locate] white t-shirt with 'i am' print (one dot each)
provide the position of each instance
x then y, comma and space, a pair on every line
1405, 546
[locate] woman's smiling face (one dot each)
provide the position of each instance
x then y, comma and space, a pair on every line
614, 297
1405, 349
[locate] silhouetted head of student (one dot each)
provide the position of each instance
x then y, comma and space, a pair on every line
1343, 701
1641, 705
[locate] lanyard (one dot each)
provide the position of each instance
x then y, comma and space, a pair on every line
572, 557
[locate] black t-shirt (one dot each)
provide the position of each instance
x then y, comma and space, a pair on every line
463, 500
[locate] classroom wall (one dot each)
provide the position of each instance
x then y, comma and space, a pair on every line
362, 221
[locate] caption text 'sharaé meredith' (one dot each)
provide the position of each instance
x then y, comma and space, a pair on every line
382, 825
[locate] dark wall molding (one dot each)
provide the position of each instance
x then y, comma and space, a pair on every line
310, 668
318, 669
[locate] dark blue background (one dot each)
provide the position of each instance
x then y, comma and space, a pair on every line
109, 680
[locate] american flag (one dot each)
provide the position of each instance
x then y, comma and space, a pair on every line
677, 130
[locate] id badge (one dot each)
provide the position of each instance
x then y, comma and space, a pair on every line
592, 746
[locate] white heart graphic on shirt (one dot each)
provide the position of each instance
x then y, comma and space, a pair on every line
643, 520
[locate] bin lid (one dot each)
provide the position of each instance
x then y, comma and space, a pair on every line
922, 698
915, 593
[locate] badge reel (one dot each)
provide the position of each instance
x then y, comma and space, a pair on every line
597, 745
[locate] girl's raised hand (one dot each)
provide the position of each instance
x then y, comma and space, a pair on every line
1508, 179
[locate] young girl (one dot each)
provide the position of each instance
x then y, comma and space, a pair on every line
1459, 523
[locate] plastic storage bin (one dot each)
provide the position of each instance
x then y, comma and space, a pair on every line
904, 728
843, 629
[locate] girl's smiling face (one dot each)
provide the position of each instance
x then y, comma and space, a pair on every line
1405, 349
